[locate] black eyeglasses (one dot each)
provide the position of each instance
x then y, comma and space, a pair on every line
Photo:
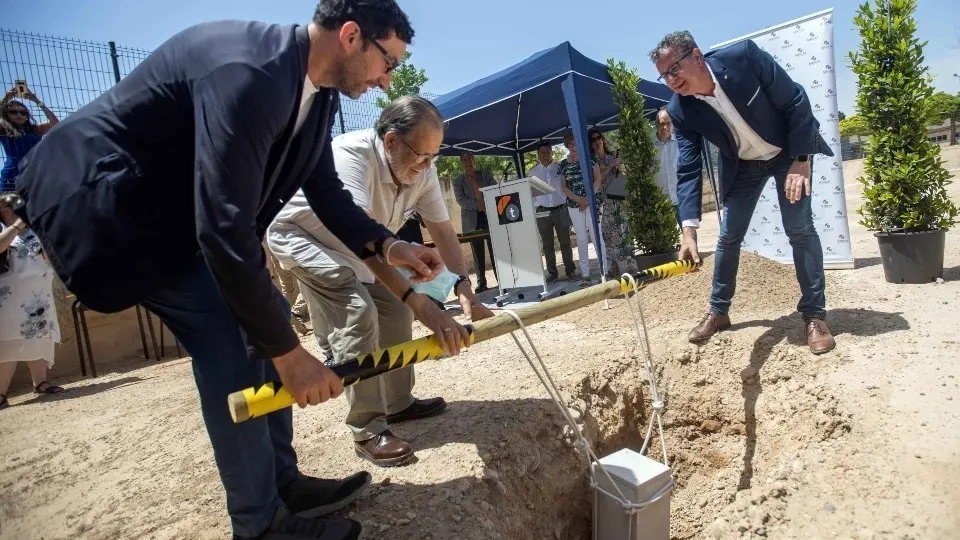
17, 112
674, 69
390, 60
421, 157
595, 139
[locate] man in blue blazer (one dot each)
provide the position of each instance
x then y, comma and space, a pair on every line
160, 190
743, 102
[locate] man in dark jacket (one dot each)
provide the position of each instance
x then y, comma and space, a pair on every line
159, 193
742, 101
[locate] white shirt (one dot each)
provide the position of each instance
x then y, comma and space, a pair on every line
667, 175
306, 100
750, 146
297, 236
549, 175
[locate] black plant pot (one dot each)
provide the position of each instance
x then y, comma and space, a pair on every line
912, 257
656, 259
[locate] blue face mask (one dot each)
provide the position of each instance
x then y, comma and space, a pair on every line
439, 288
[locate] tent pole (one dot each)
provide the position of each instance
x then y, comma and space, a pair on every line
578, 126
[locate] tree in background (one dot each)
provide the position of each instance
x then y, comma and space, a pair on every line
943, 106
854, 126
841, 116
407, 80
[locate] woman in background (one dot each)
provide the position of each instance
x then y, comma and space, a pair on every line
28, 316
618, 251
19, 134
581, 216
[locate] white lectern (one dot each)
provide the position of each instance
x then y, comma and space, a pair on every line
512, 221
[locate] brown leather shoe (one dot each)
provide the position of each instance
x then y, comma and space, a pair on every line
385, 450
421, 408
709, 325
818, 337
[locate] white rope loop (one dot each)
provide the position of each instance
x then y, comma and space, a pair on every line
644, 340
547, 380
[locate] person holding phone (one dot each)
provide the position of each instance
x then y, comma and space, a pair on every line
18, 132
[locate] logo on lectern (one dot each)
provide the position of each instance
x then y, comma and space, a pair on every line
508, 209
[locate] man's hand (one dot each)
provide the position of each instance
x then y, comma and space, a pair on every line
688, 246
472, 308
582, 204
798, 181
307, 378
448, 332
424, 262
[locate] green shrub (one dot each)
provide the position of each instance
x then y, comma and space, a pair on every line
904, 177
649, 212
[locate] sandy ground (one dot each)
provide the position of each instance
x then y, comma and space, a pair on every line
766, 439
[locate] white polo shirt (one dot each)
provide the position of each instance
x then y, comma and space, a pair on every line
297, 236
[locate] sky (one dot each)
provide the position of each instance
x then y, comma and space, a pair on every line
458, 42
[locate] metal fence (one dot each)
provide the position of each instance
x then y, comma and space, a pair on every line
66, 74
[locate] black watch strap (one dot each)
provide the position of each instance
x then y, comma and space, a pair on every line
460, 279
803, 158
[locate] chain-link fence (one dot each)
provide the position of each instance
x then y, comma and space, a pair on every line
66, 74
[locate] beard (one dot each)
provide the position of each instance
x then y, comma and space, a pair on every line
350, 80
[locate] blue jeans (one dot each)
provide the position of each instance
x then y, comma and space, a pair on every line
797, 217
254, 457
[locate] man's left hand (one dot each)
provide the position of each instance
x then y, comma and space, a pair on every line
472, 308
798, 181
424, 262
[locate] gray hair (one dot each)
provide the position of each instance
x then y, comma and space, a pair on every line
405, 113
681, 40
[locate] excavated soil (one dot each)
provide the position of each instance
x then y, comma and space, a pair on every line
126, 456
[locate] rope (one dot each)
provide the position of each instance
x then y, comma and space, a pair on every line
644, 339
546, 378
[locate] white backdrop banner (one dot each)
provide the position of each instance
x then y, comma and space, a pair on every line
804, 48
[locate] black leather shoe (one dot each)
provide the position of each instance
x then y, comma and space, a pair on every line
421, 408
314, 497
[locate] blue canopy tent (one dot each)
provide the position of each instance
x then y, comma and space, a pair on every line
555, 90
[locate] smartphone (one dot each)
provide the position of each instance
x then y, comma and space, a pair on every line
21, 86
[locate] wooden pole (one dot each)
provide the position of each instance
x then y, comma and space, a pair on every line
254, 402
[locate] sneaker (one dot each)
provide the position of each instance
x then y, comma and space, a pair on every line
287, 526
314, 497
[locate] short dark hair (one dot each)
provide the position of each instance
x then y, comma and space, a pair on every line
405, 113
544, 143
376, 18
682, 40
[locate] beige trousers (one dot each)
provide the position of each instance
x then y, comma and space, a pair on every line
351, 318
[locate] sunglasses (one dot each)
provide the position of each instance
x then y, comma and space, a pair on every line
18, 112
390, 60
421, 157
674, 69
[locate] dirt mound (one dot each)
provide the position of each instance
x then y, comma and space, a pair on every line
739, 411
762, 286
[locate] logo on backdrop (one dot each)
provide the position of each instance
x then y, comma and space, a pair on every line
806, 51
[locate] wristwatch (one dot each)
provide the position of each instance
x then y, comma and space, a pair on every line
803, 158
460, 279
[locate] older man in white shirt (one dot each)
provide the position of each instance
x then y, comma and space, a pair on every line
390, 173
557, 218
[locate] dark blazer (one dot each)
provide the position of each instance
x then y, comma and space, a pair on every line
769, 102
187, 160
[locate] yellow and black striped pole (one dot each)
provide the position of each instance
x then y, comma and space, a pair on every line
254, 402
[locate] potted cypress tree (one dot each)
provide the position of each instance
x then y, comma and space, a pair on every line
649, 213
904, 182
